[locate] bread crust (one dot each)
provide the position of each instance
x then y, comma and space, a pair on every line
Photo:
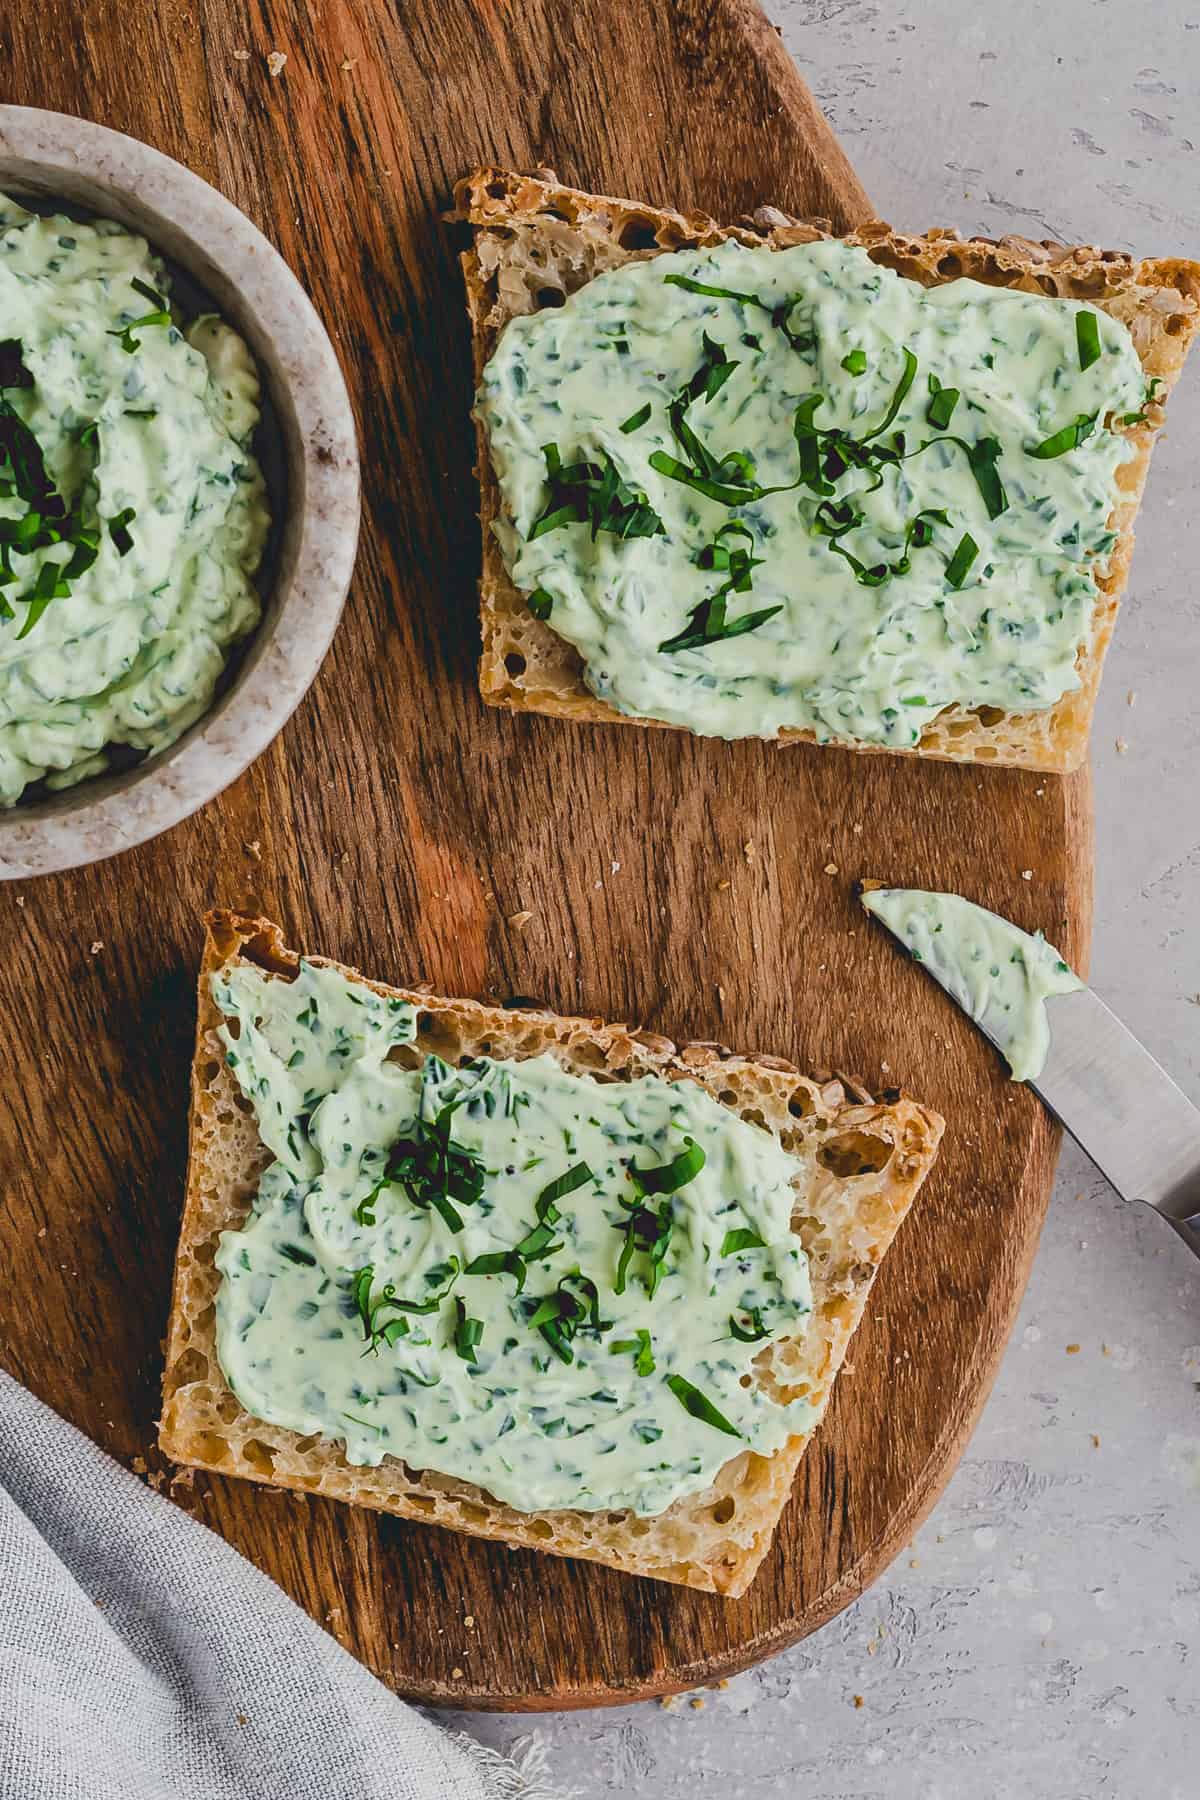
714, 1540
534, 236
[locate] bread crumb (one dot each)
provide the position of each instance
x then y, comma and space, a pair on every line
242, 1718
1122, 745
348, 62
723, 1683
275, 61
253, 849
241, 56
97, 946
1095, 1440
519, 920
669, 1702
1073, 1350
1026, 874
722, 885
857, 830
858, 1700
1038, 792
831, 868
614, 867
914, 1562
456, 1674
748, 849
1131, 696
886, 1067
20, 899
469, 1621
697, 1702
720, 993
139, 1465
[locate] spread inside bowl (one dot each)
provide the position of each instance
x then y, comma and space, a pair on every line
133, 508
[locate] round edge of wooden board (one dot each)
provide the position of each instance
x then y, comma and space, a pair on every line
975, 1384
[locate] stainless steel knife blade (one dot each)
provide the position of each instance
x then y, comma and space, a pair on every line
1116, 1101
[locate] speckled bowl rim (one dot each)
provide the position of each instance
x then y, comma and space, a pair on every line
86, 164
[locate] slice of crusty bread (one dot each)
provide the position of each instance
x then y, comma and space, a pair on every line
863, 1163
536, 241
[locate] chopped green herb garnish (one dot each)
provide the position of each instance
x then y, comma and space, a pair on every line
636, 419
1087, 338
117, 530
640, 1347
965, 553
434, 1171
499, 1262
1069, 438
708, 622
593, 494
371, 1311
574, 1306
540, 603
576, 1177
780, 311
897, 400
752, 1333
668, 1178
716, 293
855, 363
13, 373
942, 402
1151, 399
982, 456
649, 1230
728, 492
161, 315
467, 1332
700, 1407
741, 1239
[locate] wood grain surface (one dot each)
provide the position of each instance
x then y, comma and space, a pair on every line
702, 889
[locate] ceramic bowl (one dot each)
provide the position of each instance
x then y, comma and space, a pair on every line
307, 449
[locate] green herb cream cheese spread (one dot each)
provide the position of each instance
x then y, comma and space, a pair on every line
132, 511
761, 489
548, 1285
1000, 975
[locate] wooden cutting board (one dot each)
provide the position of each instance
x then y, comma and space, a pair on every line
699, 888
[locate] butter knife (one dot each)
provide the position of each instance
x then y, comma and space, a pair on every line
1105, 1088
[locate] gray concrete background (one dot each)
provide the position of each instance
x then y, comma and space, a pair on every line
1042, 1637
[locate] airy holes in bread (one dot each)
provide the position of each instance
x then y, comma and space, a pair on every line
638, 234
260, 1456
855, 1153
190, 1367
211, 1449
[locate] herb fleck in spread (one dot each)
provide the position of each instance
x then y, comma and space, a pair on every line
132, 511
547, 1285
761, 489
